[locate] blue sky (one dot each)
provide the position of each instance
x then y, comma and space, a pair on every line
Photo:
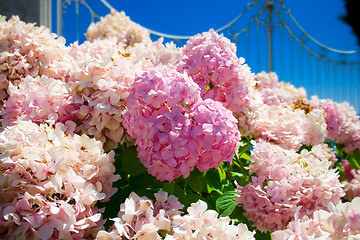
188, 17
319, 18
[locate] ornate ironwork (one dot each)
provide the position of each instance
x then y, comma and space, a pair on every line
303, 60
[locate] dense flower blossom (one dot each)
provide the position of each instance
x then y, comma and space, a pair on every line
50, 182
290, 125
214, 134
336, 222
352, 181
210, 59
352, 187
284, 181
158, 117
343, 124
100, 78
39, 99
184, 108
141, 218
201, 223
119, 27
274, 92
279, 124
174, 129
324, 151
247, 117
100, 86
26, 49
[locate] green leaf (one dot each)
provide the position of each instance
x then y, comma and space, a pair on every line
212, 179
245, 156
354, 160
226, 203
262, 236
196, 181
130, 162
222, 173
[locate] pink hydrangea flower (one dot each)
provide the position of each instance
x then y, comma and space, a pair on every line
39, 99
336, 222
285, 180
279, 124
210, 60
323, 151
174, 129
119, 27
51, 181
290, 125
100, 78
141, 218
274, 92
158, 117
352, 183
26, 49
201, 223
214, 134
343, 124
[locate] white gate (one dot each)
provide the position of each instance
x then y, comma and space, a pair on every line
290, 51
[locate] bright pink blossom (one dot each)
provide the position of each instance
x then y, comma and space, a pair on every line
210, 60
174, 129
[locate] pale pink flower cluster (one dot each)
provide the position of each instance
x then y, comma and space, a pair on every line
352, 187
288, 126
151, 54
26, 49
50, 182
324, 151
246, 118
175, 129
97, 75
119, 27
274, 92
100, 78
203, 224
99, 87
210, 59
343, 124
39, 99
140, 218
280, 113
284, 115
337, 222
283, 181
352, 183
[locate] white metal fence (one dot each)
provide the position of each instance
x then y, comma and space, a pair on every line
289, 50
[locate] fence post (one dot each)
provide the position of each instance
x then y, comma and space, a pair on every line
45, 13
59, 17
269, 4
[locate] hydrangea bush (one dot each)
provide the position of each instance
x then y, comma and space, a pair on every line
122, 137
